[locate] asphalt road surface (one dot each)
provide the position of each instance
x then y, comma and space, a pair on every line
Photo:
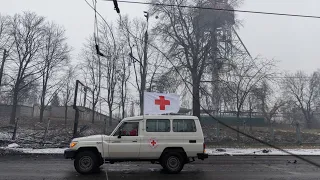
27, 167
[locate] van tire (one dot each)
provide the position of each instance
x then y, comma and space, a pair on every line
172, 162
86, 162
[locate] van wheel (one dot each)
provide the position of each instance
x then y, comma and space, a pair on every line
86, 162
172, 162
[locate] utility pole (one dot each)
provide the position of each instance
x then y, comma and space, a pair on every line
75, 107
85, 97
144, 64
2, 65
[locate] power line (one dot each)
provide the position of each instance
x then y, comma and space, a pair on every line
219, 9
96, 28
224, 124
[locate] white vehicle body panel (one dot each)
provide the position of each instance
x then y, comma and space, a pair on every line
147, 145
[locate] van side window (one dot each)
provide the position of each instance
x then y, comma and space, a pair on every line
158, 125
184, 125
129, 129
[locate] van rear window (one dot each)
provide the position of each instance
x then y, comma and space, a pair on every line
184, 125
158, 125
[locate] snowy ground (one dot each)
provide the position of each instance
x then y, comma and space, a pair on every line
211, 151
15, 147
260, 151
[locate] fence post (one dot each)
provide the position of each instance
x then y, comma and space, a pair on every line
298, 133
218, 131
76, 122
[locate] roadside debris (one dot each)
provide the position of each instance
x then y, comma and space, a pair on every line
221, 150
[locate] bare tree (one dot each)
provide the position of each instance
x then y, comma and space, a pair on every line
246, 74
114, 66
123, 76
4, 31
111, 70
305, 91
27, 31
4, 44
93, 73
68, 91
138, 40
270, 101
55, 55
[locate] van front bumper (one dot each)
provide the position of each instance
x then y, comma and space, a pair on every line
202, 156
69, 153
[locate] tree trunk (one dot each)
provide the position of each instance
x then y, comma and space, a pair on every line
41, 112
14, 106
93, 113
122, 95
309, 120
196, 96
307, 117
123, 110
93, 107
65, 114
238, 125
144, 71
141, 102
42, 108
110, 116
2, 66
43, 94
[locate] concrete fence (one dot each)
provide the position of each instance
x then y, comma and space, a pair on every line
52, 112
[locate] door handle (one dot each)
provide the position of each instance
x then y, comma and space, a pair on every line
192, 141
134, 141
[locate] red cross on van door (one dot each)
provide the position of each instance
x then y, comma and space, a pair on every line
162, 102
153, 143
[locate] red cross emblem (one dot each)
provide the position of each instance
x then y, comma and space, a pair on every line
162, 102
153, 143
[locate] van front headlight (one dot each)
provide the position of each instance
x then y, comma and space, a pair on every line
73, 144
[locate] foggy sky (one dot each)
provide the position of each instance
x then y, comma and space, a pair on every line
292, 41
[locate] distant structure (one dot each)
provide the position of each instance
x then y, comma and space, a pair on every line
226, 42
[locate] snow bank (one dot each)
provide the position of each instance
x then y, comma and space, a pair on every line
44, 151
211, 152
13, 145
260, 151
36, 151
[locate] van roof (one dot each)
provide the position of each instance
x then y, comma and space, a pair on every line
160, 117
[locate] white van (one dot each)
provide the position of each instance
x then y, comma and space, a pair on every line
170, 140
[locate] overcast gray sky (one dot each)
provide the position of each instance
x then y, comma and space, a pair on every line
290, 40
